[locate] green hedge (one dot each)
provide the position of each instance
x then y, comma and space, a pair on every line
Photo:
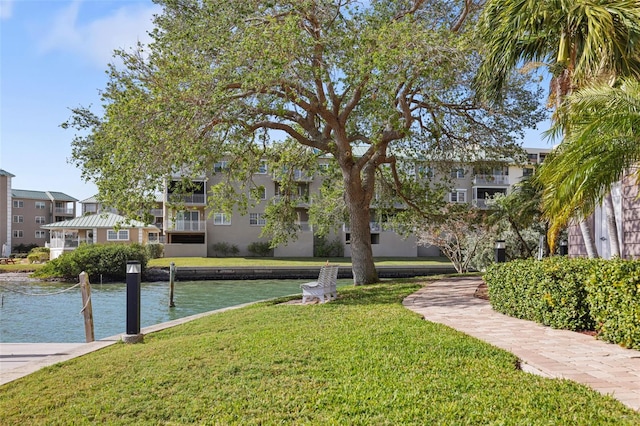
572, 294
106, 260
614, 298
551, 292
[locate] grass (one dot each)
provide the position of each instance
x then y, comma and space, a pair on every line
21, 265
361, 360
287, 261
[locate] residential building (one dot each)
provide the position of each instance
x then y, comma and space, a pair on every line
194, 230
24, 212
98, 229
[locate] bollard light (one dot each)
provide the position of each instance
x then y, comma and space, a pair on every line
133, 302
500, 252
564, 248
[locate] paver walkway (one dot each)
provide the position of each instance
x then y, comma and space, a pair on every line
605, 367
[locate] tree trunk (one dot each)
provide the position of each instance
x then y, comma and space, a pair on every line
612, 227
589, 243
357, 201
364, 270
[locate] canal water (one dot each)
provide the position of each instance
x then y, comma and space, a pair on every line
42, 316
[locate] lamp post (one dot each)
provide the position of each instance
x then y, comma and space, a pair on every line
501, 256
133, 334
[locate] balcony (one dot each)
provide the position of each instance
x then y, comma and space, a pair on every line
491, 180
302, 201
67, 211
156, 212
187, 198
66, 243
186, 226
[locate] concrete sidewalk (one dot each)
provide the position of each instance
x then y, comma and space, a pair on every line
605, 367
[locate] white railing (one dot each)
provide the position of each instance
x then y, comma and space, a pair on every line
68, 242
490, 180
186, 225
64, 210
156, 212
187, 198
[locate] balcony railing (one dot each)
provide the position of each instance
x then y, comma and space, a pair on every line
186, 225
68, 242
187, 199
64, 210
301, 200
490, 180
156, 212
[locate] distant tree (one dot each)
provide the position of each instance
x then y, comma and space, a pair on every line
459, 233
365, 83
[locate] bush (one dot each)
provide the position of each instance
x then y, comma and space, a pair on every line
154, 250
38, 255
223, 249
324, 248
24, 248
551, 292
260, 248
108, 260
614, 300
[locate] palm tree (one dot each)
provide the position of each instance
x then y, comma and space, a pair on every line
604, 142
577, 40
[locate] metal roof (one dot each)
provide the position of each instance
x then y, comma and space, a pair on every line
6, 173
41, 195
102, 220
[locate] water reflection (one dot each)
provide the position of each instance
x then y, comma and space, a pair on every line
56, 317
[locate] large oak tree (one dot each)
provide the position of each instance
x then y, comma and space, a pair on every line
364, 83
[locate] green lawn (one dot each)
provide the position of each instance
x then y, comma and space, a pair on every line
361, 360
288, 261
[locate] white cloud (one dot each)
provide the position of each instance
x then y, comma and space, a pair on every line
97, 39
6, 9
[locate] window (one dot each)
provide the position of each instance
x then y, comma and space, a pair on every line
221, 219
457, 173
220, 166
262, 168
533, 158
257, 219
18, 219
259, 193
120, 235
17, 204
41, 234
526, 172
458, 196
40, 205
18, 234
40, 220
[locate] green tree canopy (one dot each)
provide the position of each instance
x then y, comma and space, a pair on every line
365, 83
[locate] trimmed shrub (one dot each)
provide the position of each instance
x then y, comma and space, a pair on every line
223, 249
154, 250
614, 299
551, 292
38, 255
260, 248
23, 248
108, 260
324, 248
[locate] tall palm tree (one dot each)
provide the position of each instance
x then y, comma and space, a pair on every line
602, 145
577, 40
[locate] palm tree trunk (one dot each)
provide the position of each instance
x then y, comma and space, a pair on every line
612, 227
589, 243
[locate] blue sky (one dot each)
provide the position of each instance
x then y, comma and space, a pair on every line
53, 56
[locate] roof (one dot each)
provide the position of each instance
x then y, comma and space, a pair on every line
6, 173
102, 220
41, 195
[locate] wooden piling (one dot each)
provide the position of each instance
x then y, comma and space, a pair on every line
87, 310
172, 277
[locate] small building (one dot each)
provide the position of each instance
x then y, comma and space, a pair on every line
98, 229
